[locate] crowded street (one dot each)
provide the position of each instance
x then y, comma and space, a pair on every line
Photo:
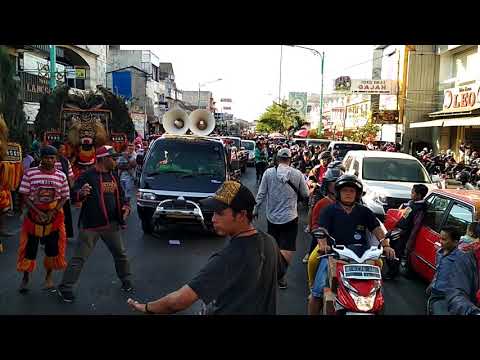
122, 192
159, 267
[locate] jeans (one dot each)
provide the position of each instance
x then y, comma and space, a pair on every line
86, 243
438, 305
260, 167
128, 185
320, 281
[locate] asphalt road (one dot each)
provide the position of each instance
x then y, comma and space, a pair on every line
158, 268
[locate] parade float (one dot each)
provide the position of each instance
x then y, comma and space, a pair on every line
84, 120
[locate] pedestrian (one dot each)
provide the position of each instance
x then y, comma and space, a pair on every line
126, 169
463, 292
242, 277
446, 256
64, 166
103, 214
282, 187
472, 236
45, 190
261, 159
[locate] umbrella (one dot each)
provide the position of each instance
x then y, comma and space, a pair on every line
302, 133
276, 136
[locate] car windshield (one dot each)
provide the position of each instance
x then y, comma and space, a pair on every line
195, 158
344, 148
387, 169
248, 145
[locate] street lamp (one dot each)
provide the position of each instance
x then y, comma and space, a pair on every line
322, 56
203, 84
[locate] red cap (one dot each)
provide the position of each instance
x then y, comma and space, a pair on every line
105, 150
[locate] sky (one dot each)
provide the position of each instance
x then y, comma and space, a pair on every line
250, 73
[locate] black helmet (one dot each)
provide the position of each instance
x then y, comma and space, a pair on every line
331, 175
351, 181
326, 155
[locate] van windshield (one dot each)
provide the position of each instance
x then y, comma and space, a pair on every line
248, 145
384, 169
344, 148
186, 158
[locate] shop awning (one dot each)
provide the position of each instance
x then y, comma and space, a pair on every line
430, 123
464, 121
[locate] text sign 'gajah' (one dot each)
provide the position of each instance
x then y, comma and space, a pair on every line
461, 97
372, 87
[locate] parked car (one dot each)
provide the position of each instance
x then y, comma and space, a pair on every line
387, 177
250, 146
456, 208
342, 147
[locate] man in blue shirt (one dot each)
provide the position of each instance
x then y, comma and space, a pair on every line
446, 256
347, 221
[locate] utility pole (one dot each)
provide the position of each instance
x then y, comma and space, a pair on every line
320, 124
280, 78
53, 67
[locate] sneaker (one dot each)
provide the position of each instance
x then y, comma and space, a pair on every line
127, 286
282, 283
66, 296
305, 258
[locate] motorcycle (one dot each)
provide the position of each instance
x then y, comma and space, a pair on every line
358, 286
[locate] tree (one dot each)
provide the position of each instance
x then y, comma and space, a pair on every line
11, 105
365, 133
279, 118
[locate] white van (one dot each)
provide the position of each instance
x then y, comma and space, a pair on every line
387, 177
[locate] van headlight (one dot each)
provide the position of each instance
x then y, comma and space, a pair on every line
147, 196
364, 303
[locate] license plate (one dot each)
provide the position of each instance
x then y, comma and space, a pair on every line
357, 313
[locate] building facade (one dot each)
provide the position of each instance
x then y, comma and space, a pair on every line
78, 66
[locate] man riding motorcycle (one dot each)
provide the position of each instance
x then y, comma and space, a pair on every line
347, 221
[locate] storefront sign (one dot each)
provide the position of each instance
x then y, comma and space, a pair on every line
385, 117
343, 83
374, 87
80, 73
33, 87
461, 98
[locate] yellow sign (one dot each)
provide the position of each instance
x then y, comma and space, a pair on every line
80, 73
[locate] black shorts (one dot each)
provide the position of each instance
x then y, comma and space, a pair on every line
284, 234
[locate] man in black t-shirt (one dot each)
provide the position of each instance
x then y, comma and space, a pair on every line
240, 279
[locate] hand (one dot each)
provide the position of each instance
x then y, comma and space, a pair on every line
255, 212
126, 212
85, 190
136, 306
389, 252
323, 246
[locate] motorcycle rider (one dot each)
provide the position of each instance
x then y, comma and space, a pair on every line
347, 221
409, 225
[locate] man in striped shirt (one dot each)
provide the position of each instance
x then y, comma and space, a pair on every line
45, 190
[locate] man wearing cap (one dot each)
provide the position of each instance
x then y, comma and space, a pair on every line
45, 190
242, 277
282, 187
103, 214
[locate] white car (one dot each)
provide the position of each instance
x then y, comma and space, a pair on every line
250, 146
387, 177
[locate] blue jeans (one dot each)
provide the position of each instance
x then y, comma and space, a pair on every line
320, 281
127, 186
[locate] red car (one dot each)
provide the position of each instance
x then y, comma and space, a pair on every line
456, 208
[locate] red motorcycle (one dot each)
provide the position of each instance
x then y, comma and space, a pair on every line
356, 279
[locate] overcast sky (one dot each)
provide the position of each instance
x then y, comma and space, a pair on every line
251, 73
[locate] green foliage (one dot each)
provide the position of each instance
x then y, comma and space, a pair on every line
279, 118
11, 105
365, 133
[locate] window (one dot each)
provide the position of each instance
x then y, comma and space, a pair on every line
465, 65
459, 217
154, 72
436, 207
388, 169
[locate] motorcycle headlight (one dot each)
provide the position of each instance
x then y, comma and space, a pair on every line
364, 303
